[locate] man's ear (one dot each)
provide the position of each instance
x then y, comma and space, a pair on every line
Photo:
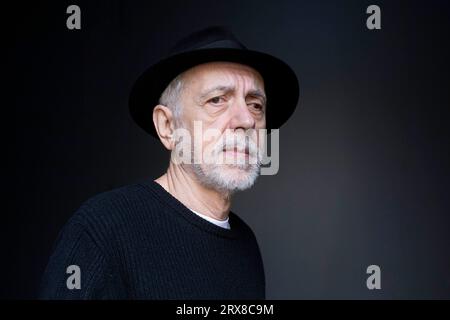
163, 121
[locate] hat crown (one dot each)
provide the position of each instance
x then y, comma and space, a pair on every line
212, 37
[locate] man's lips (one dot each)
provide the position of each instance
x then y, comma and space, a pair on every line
235, 150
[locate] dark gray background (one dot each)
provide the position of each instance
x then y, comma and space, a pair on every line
364, 160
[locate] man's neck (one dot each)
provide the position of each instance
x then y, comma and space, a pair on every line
187, 189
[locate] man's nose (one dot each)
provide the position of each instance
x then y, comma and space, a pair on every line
241, 117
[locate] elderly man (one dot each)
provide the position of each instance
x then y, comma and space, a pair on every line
175, 237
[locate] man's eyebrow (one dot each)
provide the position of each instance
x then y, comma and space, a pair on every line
257, 93
221, 88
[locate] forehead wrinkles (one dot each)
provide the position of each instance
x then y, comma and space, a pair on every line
225, 74
240, 79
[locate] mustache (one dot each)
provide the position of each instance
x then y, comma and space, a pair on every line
239, 143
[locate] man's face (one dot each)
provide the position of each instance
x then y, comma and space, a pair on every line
228, 99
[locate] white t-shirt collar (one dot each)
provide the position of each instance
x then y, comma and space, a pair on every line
221, 223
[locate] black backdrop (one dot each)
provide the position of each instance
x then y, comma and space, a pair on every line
364, 172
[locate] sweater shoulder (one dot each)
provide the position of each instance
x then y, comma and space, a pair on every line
114, 202
113, 199
112, 209
245, 229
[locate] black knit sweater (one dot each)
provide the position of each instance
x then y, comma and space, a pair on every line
139, 242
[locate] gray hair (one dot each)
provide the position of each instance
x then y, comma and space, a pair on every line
172, 95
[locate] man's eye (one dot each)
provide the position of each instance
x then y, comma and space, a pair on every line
216, 100
256, 106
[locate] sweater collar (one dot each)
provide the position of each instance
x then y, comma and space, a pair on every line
190, 216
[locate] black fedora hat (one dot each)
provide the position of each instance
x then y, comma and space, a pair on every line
208, 45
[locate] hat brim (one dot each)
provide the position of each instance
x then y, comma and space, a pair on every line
280, 83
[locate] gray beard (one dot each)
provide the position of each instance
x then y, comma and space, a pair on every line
215, 177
